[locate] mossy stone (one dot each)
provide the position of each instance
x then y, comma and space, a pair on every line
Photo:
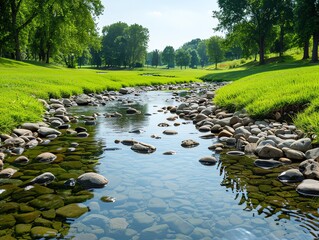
258, 196
71, 165
48, 201
7, 221
7, 237
21, 229
261, 171
287, 194
25, 208
56, 171
66, 176
49, 214
276, 201
42, 222
41, 190
21, 193
265, 188
9, 207
57, 225
10, 181
77, 199
27, 217
72, 210
43, 232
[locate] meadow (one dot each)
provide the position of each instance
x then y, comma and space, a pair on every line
23, 83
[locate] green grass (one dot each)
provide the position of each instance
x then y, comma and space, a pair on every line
22, 83
279, 86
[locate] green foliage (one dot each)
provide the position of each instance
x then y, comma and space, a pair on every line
214, 49
168, 56
183, 58
23, 83
156, 58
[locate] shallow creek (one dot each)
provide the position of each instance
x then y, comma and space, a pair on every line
156, 196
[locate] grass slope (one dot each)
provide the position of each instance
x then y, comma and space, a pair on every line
264, 90
23, 83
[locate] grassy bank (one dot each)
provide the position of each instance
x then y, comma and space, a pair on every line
23, 83
287, 87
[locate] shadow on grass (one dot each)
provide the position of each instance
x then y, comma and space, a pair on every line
252, 68
6, 62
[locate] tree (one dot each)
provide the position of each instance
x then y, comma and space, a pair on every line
259, 15
112, 44
214, 49
156, 58
202, 53
137, 39
168, 56
194, 62
183, 58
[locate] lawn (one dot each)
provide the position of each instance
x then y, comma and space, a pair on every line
23, 83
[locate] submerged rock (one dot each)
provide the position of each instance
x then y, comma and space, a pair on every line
73, 210
92, 180
208, 160
43, 232
267, 164
189, 143
235, 153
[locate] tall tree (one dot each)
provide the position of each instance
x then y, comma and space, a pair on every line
183, 58
202, 53
168, 56
260, 15
194, 62
156, 58
214, 49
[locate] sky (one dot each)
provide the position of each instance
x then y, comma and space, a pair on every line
170, 22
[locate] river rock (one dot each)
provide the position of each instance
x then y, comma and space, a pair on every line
27, 217
31, 126
269, 151
44, 179
92, 180
7, 172
235, 153
293, 154
170, 132
208, 160
45, 131
169, 153
189, 143
22, 132
313, 154
2, 156
83, 135
267, 164
225, 133
73, 210
310, 169
14, 142
242, 131
309, 187
129, 142
22, 160
46, 157
32, 144
132, 111
43, 232
83, 100
143, 148
291, 176
302, 145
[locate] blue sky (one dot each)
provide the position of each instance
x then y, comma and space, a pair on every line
170, 22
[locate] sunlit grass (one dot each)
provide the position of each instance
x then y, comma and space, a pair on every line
23, 83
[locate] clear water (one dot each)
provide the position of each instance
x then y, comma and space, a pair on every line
175, 197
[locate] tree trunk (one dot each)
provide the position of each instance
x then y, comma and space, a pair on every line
48, 55
315, 47
15, 31
306, 50
261, 50
216, 65
281, 41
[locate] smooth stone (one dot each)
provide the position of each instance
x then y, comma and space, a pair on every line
208, 136
143, 218
32, 144
170, 132
43, 179
302, 145
21, 229
118, 223
163, 125
310, 169
177, 224
313, 154
80, 129
92, 180
82, 134
46, 157
7, 172
43, 232
47, 201
27, 217
189, 143
309, 187
267, 164
22, 132
225, 133
31, 126
235, 153
143, 148
269, 151
22, 160
293, 154
169, 153
286, 143
155, 232
45, 131
208, 160
132, 111
129, 142
205, 128
291, 176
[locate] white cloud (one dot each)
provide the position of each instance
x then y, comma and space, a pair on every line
155, 14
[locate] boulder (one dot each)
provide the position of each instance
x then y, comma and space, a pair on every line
208, 160
267, 163
302, 145
189, 143
313, 154
310, 169
46, 157
291, 176
309, 187
293, 154
43, 179
92, 180
269, 151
